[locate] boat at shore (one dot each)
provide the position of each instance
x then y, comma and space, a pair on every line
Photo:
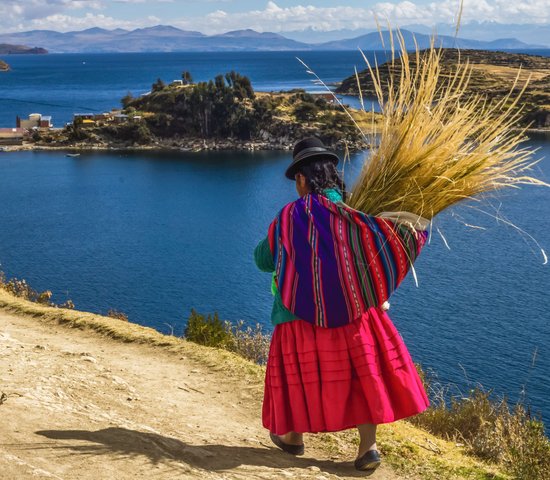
72, 155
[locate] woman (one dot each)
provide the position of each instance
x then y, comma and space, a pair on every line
336, 361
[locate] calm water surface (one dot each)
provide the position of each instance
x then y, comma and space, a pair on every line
154, 235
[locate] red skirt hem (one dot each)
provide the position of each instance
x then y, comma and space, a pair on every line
331, 379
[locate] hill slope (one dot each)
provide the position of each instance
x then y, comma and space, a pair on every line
493, 75
90, 397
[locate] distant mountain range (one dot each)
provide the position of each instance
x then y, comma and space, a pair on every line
170, 39
375, 41
536, 34
528, 33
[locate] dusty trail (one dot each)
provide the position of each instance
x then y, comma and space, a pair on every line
83, 406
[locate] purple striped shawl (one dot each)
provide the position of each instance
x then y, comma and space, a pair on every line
332, 263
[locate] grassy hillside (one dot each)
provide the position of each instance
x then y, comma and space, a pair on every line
410, 451
493, 75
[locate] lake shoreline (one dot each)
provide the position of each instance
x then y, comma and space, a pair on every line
192, 146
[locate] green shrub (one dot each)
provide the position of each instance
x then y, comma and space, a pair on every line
209, 331
530, 456
135, 132
306, 111
127, 100
248, 342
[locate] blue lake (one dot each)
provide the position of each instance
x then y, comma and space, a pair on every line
154, 235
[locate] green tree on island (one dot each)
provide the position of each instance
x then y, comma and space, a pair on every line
186, 77
127, 100
158, 85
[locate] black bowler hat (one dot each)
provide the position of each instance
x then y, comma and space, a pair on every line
307, 150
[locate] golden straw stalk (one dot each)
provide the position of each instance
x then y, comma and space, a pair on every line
438, 144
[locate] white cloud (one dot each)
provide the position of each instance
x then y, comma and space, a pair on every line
63, 15
143, 1
300, 17
20, 12
65, 23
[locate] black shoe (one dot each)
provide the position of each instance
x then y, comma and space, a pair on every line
285, 447
369, 462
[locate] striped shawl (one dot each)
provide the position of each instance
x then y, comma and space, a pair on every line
332, 263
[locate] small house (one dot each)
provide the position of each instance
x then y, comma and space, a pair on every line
83, 116
12, 136
103, 117
121, 118
46, 122
84, 119
328, 97
35, 120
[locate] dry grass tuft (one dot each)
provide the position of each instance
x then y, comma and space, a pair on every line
438, 145
490, 429
20, 288
112, 313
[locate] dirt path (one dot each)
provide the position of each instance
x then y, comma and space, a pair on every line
82, 406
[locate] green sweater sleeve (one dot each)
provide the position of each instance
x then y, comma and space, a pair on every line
264, 261
263, 257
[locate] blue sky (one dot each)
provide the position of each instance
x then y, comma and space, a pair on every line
215, 16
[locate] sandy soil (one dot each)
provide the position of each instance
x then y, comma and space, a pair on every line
78, 405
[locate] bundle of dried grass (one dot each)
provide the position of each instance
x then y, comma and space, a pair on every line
438, 145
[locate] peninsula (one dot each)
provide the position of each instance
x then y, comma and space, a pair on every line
8, 49
493, 75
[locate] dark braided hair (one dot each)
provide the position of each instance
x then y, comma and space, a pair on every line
322, 174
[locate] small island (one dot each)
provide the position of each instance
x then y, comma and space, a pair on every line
4, 67
224, 113
493, 75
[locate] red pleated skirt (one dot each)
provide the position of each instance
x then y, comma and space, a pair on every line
330, 379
